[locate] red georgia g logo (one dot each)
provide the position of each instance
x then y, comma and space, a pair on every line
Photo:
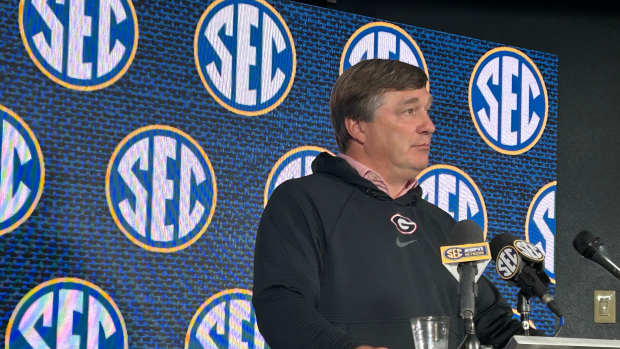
404, 224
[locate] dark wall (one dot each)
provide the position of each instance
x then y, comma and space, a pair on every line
586, 42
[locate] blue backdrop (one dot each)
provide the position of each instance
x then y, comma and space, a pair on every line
140, 140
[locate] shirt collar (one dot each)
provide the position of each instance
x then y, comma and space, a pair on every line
374, 177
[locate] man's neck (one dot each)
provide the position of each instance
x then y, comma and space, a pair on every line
394, 187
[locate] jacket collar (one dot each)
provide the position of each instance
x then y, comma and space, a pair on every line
325, 163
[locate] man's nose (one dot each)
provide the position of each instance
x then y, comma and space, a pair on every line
427, 126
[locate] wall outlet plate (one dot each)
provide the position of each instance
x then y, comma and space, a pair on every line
604, 307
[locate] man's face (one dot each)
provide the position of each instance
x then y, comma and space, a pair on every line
398, 139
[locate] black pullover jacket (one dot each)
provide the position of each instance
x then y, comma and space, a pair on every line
332, 271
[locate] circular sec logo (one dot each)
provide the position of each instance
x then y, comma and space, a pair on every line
245, 55
381, 40
66, 313
453, 191
22, 171
160, 188
294, 164
507, 262
529, 251
540, 225
78, 44
508, 100
225, 320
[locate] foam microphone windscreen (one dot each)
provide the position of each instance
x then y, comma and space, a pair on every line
586, 244
466, 232
499, 242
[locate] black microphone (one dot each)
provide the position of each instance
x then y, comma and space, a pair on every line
469, 254
521, 263
591, 247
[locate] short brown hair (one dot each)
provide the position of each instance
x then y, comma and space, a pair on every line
357, 92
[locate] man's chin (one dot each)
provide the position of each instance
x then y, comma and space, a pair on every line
421, 166
414, 171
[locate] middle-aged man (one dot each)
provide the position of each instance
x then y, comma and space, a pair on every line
346, 256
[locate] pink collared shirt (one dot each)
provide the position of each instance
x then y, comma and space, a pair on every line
375, 178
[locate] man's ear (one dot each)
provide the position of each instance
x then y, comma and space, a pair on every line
356, 129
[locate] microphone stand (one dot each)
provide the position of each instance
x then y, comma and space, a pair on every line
523, 306
468, 291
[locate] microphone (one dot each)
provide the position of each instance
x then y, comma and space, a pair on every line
591, 247
465, 258
466, 245
521, 263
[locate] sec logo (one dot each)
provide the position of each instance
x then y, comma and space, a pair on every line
22, 172
66, 313
507, 262
160, 188
454, 253
529, 251
82, 45
381, 40
453, 191
245, 55
294, 164
225, 320
540, 225
508, 100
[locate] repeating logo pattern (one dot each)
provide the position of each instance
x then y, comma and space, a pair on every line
66, 313
453, 191
245, 55
540, 225
294, 164
22, 172
225, 320
508, 100
381, 40
160, 187
79, 44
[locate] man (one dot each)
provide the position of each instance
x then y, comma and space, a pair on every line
346, 256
